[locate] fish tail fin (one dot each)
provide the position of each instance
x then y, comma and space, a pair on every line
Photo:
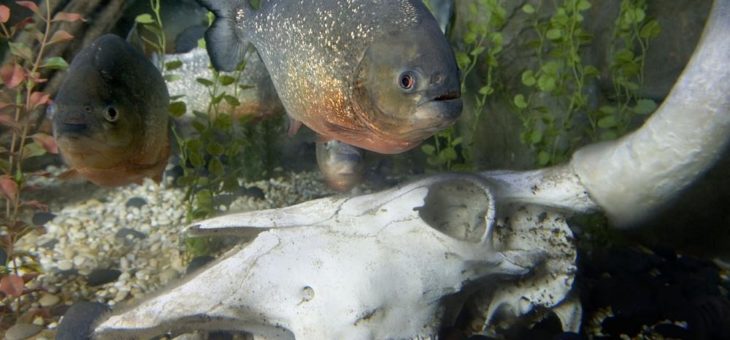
224, 40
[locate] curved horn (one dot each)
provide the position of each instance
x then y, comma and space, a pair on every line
631, 177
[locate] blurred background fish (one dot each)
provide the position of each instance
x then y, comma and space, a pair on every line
110, 116
341, 164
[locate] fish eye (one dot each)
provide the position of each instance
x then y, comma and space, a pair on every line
111, 114
407, 80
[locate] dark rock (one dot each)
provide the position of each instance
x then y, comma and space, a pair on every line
124, 233
621, 325
672, 331
254, 192
136, 202
220, 336
50, 244
78, 321
41, 218
710, 317
101, 276
3, 256
198, 263
568, 336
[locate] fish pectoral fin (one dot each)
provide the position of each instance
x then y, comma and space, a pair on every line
294, 126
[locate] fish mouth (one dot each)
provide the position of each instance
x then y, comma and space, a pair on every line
451, 95
73, 127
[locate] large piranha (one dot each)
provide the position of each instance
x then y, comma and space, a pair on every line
378, 74
110, 115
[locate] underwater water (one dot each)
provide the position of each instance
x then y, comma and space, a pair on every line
121, 136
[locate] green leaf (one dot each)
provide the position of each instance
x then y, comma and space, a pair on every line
554, 33
645, 106
650, 30
173, 65
216, 167
528, 8
223, 122
33, 150
546, 83
477, 51
20, 50
144, 19
198, 126
536, 136
54, 63
428, 149
172, 77
607, 109
528, 78
608, 135
4, 165
215, 149
231, 100
177, 109
230, 184
226, 80
462, 59
204, 82
448, 154
520, 101
196, 158
486, 90
607, 122
583, 5
543, 158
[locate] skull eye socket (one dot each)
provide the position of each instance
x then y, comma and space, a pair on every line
458, 208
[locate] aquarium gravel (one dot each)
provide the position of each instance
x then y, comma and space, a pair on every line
116, 245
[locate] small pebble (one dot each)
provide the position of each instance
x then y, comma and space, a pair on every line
127, 233
22, 331
136, 202
48, 300
65, 265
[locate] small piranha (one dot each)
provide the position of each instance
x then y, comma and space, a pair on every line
110, 117
341, 164
378, 75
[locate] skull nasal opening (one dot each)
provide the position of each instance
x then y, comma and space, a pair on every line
457, 208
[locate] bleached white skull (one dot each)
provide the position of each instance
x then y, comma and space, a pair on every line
373, 266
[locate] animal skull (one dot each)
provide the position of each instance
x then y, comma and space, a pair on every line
386, 265
326, 269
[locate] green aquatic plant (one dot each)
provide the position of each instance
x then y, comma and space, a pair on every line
21, 102
560, 79
481, 44
632, 33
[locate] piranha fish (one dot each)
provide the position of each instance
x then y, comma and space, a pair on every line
110, 116
341, 164
378, 74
